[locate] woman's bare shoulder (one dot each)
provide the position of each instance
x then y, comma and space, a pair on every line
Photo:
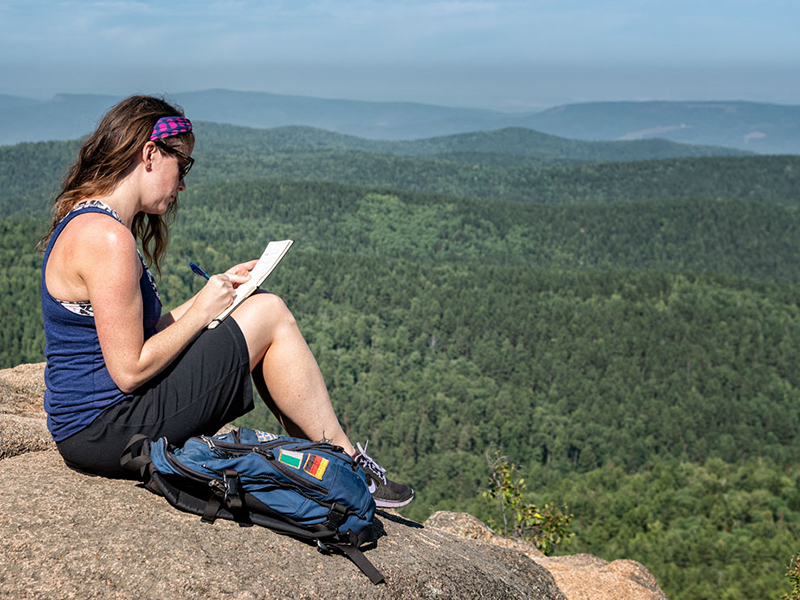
90, 248
97, 234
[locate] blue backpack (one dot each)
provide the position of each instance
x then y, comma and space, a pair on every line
311, 491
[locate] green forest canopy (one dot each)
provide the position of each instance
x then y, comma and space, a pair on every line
30, 173
635, 359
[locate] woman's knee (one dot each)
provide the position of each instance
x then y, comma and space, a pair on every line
261, 318
268, 306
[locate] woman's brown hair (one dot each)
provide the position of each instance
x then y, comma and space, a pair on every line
104, 160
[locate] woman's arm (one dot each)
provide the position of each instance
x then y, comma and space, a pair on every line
110, 268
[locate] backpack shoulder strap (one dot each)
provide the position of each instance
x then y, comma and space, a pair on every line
136, 455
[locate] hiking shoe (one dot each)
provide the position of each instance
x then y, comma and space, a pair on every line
386, 493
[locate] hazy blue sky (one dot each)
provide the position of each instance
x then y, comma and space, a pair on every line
507, 54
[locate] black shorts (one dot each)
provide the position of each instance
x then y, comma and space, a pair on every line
207, 386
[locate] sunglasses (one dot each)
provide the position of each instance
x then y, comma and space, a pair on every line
169, 150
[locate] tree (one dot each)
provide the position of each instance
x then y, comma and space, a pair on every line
545, 526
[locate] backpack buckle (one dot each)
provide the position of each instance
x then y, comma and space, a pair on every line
336, 516
228, 488
230, 482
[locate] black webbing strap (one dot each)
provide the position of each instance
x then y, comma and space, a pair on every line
361, 561
284, 528
229, 497
212, 508
136, 455
233, 497
336, 515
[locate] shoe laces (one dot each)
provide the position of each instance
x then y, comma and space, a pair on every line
368, 463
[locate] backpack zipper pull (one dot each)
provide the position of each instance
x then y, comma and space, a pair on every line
213, 447
269, 455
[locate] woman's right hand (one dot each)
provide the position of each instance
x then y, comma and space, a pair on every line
217, 294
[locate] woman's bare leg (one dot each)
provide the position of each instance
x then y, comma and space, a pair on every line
285, 371
289, 380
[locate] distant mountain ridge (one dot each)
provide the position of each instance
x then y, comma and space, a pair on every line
749, 126
514, 141
758, 127
509, 164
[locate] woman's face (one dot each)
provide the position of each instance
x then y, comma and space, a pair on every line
182, 153
166, 181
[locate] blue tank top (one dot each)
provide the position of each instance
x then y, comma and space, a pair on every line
78, 384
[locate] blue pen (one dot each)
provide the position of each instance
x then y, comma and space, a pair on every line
198, 270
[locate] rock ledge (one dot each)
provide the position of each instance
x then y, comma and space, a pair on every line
66, 535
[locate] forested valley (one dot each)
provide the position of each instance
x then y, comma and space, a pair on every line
626, 332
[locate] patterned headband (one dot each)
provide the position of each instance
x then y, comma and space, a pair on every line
169, 126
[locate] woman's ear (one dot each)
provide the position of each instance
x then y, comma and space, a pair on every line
148, 151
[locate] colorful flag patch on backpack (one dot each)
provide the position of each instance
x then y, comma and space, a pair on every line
293, 459
315, 466
265, 436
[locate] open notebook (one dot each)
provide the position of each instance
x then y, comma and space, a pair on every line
272, 255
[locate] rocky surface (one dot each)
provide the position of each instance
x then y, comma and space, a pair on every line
66, 535
580, 577
22, 418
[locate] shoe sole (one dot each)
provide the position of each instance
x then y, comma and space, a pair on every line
392, 503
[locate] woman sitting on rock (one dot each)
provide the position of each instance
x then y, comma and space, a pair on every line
117, 366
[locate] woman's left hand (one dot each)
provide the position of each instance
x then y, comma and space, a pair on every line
241, 269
